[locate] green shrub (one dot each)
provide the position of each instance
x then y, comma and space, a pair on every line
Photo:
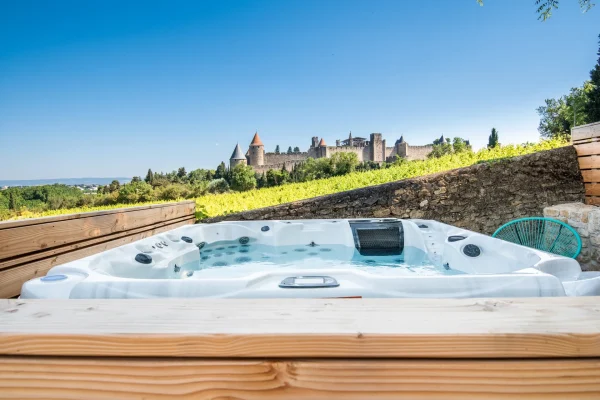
218, 186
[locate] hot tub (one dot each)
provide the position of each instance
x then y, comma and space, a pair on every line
317, 258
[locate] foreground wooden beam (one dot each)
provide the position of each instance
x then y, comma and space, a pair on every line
300, 349
76, 378
274, 328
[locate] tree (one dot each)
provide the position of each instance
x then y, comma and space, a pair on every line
290, 151
149, 176
14, 201
558, 116
198, 175
344, 163
443, 146
296, 149
277, 149
136, 179
219, 185
261, 180
135, 191
460, 145
276, 177
181, 174
114, 186
592, 107
221, 171
545, 7
242, 178
493, 139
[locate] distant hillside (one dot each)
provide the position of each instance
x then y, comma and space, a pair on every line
65, 181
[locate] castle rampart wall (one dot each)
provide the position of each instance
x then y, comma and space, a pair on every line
418, 152
289, 164
272, 158
363, 153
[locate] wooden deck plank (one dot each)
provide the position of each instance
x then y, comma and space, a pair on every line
356, 328
39, 237
76, 378
11, 279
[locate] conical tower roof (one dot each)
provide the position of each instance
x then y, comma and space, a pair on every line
237, 153
256, 141
322, 143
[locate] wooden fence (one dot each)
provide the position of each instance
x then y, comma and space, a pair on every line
30, 247
301, 349
586, 139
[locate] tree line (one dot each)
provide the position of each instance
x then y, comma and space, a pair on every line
579, 107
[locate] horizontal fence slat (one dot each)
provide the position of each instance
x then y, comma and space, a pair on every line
587, 149
303, 328
65, 217
108, 379
589, 162
592, 189
593, 201
12, 279
592, 175
585, 131
25, 239
31, 257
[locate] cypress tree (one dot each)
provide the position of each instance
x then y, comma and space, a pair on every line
493, 139
149, 176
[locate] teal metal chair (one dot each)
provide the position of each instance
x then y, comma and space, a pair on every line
545, 234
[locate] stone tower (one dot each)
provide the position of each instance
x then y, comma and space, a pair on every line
401, 147
322, 150
256, 152
376, 148
314, 142
237, 157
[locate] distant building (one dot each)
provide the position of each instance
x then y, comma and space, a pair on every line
374, 149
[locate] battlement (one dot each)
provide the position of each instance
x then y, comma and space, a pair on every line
425, 146
272, 153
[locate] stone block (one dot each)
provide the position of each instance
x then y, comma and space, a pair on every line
380, 213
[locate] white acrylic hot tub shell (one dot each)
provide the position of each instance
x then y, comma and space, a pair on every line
502, 270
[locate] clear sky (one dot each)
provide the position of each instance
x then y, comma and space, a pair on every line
111, 88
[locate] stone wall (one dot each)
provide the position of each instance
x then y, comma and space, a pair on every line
363, 153
418, 152
279, 159
480, 198
585, 219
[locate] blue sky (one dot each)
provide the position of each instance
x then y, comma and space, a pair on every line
111, 88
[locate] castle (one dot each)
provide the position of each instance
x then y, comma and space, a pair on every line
374, 149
